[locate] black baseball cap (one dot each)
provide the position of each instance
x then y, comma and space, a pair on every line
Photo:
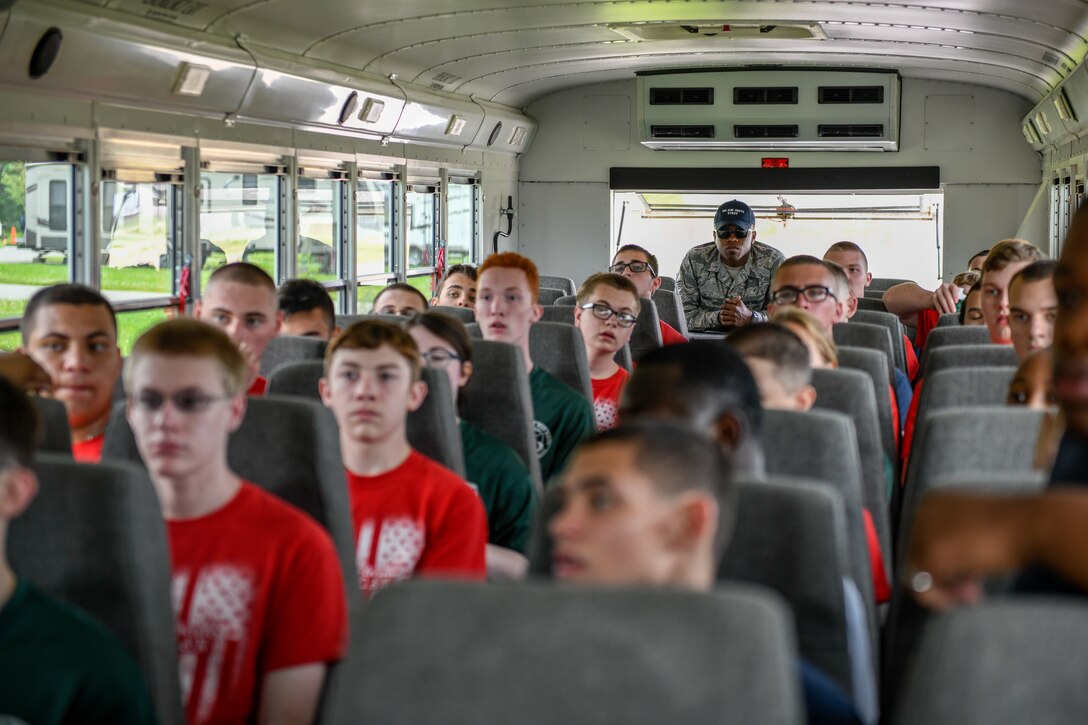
734, 213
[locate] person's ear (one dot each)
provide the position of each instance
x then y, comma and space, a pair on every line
868, 278
805, 398
538, 312
655, 284
18, 486
335, 331
416, 395
237, 411
578, 316
279, 320
851, 307
753, 235
729, 432
324, 391
694, 522
466, 373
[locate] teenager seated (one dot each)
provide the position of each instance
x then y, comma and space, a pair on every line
606, 312
399, 298
1033, 307
822, 351
779, 362
970, 312
57, 664
652, 504
411, 515
1003, 262
457, 288
240, 299
259, 599
638, 265
497, 472
308, 310
506, 308
71, 332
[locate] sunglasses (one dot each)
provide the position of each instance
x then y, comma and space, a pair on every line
187, 402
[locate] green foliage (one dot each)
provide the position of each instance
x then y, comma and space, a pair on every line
12, 194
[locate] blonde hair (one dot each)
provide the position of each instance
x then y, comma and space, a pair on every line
809, 325
967, 279
186, 337
1008, 251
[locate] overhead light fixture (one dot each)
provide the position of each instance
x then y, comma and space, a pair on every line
348, 109
1042, 123
372, 110
517, 138
1065, 109
191, 80
455, 126
1031, 134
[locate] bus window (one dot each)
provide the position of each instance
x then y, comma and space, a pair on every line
34, 233
421, 228
318, 229
137, 253
365, 295
239, 220
374, 228
462, 224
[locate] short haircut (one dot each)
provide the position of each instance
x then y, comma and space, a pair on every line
62, 294
808, 323
651, 258
847, 248
704, 380
186, 337
976, 287
678, 459
1009, 251
243, 273
967, 279
806, 260
983, 253
842, 282
781, 347
466, 269
403, 287
513, 260
19, 427
373, 334
1035, 272
608, 279
445, 326
303, 295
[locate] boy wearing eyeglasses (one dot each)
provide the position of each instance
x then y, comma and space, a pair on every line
411, 515
258, 596
807, 283
506, 308
640, 266
726, 283
606, 311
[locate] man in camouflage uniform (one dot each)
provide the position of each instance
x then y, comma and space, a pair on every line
726, 283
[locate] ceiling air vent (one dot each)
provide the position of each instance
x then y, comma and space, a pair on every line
764, 96
850, 94
682, 131
850, 130
681, 96
765, 131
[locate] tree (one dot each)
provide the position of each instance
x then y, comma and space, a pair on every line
12, 195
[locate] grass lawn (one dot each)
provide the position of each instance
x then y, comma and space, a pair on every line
130, 325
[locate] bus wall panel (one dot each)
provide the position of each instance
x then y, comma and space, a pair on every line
564, 227
989, 184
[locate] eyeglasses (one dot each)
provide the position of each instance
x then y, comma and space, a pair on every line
636, 267
603, 312
436, 357
187, 402
731, 232
812, 293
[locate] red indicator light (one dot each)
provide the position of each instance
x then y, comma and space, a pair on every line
769, 162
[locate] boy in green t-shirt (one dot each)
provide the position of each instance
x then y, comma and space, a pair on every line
506, 308
57, 664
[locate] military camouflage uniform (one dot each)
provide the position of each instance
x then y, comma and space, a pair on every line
704, 284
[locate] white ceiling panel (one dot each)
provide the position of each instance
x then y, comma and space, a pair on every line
514, 52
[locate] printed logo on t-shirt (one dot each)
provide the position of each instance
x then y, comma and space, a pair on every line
400, 543
606, 412
543, 438
213, 615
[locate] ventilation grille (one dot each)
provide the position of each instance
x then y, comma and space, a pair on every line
851, 94
764, 131
682, 131
764, 96
851, 130
681, 96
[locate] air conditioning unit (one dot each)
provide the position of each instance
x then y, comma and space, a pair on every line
799, 109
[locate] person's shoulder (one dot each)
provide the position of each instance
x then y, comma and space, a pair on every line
558, 392
701, 251
767, 252
477, 441
272, 514
439, 480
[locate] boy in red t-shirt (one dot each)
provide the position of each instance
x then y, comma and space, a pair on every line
241, 299
259, 600
608, 306
71, 332
640, 266
411, 515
